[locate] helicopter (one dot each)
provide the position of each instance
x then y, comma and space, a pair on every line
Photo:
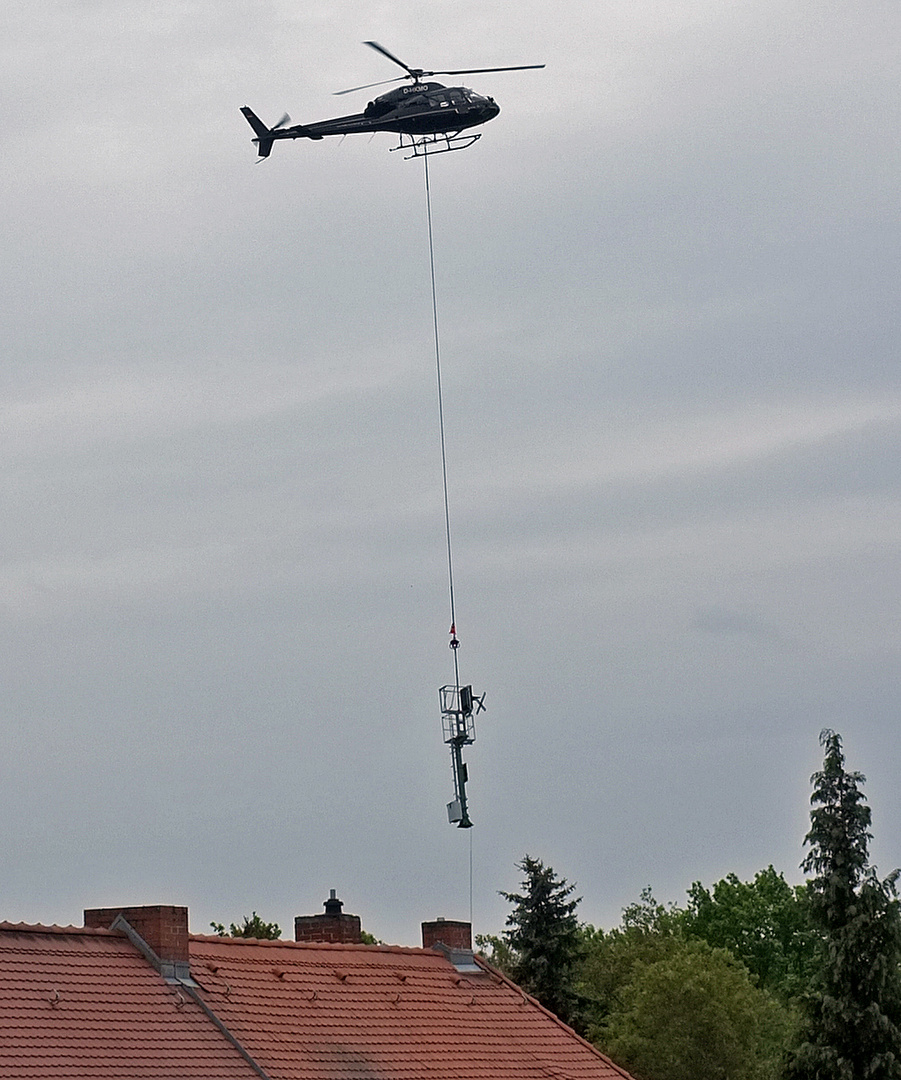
428, 117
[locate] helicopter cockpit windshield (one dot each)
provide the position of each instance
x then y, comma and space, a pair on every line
378, 108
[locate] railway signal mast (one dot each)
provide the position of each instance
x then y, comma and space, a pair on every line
458, 705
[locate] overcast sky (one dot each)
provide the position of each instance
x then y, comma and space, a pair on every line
668, 302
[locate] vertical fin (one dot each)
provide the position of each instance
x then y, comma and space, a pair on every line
263, 138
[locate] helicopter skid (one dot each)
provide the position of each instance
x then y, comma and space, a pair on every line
442, 143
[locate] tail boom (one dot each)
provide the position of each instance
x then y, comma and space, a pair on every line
265, 136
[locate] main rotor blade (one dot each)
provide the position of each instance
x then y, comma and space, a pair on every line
382, 82
417, 74
412, 72
479, 71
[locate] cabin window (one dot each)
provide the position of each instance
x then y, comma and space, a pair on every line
377, 108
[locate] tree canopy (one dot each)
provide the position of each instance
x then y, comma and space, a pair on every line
544, 939
749, 980
852, 1021
252, 927
649, 932
694, 1014
765, 923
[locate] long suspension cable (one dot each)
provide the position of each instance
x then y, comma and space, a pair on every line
447, 528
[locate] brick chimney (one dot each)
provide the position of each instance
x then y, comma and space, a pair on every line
160, 928
448, 932
332, 926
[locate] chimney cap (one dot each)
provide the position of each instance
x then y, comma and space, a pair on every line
333, 905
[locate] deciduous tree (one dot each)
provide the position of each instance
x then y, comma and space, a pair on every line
694, 1014
765, 923
253, 927
649, 932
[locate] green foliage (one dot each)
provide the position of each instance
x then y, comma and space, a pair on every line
839, 832
497, 952
544, 939
693, 1013
253, 927
649, 917
669, 1006
852, 1028
648, 933
765, 923
720, 989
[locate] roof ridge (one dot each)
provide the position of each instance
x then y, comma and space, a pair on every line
54, 928
336, 945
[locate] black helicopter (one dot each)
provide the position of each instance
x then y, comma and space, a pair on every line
429, 116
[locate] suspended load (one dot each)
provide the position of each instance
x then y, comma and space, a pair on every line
458, 705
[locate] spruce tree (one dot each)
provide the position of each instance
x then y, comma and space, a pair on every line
852, 1024
545, 938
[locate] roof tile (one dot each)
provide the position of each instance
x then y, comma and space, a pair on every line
76, 1005
383, 1012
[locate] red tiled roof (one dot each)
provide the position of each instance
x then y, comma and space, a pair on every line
85, 1004
357, 1012
77, 1004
